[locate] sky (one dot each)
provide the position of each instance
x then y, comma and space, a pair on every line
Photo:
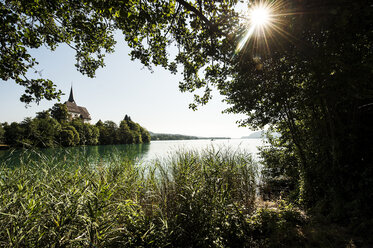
123, 87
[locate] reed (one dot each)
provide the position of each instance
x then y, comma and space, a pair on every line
192, 199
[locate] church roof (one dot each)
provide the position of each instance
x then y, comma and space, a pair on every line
72, 107
84, 113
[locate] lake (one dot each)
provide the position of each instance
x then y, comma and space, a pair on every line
141, 153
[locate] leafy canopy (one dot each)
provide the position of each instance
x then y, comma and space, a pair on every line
87, 27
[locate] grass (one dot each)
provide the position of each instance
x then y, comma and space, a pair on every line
192, 199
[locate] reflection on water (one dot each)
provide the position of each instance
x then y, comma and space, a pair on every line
94, 155
91, 155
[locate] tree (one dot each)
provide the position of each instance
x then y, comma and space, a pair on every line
87, 26
41, 131
46, 132
82, 131
126, 136
30, 135
91, 134
313, 86
112, 136
2, 132
43, 114
316, 92
59, 112
28, 25
102, 132
127, 118
69, 136
145, 136
131, 132
14, 134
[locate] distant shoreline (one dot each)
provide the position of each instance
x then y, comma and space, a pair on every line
168, 136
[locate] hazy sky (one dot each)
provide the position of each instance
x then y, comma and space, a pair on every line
123, 87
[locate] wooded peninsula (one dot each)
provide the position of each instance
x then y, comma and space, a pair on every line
54, 127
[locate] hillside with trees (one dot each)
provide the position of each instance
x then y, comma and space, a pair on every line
255, 135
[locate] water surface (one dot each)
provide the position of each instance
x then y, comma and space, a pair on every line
141, 153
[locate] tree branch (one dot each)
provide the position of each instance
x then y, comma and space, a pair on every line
196, 11
213, 27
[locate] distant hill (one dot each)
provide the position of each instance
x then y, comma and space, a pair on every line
168, 136
259, 135
254, 135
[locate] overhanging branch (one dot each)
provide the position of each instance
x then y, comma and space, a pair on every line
196, 11
189, 7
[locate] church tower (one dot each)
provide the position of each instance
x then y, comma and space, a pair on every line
71, 97
77, 111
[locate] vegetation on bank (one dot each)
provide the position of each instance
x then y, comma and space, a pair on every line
55, 127
205, 199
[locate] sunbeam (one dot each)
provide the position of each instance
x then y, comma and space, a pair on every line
263, 21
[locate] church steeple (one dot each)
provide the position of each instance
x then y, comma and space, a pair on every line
76, 111
71, 97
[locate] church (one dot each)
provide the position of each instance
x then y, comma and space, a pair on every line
77, 111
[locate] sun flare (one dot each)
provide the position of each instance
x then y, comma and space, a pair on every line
264, 21
260, 16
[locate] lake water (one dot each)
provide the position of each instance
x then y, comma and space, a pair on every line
141, 153
161, 149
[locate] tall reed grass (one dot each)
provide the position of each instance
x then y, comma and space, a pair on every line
193, 199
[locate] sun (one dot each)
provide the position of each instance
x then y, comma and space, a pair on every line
263, 21
260, 16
